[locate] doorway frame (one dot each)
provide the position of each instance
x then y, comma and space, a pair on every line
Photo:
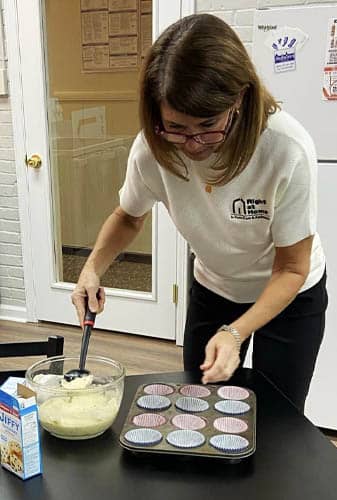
16, 97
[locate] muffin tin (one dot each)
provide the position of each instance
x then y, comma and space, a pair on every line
192, 419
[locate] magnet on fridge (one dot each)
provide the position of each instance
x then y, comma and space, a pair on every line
284, 44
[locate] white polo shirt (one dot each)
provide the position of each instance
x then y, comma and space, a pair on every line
234, 229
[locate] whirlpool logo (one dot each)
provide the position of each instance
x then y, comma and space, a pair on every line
249, 209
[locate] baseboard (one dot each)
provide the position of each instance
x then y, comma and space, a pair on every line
13, 313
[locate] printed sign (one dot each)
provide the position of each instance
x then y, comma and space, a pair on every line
330, 63
115, 34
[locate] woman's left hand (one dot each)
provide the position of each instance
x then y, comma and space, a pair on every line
222, 358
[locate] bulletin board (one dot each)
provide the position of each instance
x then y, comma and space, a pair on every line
115, 34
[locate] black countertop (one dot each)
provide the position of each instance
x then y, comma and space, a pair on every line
293, 460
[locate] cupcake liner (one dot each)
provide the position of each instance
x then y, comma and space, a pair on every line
230, 425
158, 389
185, 439
143, 437
233, 392
187, 421
229, 442
149, 420
196, 391
154, 402
232, 407
192, 404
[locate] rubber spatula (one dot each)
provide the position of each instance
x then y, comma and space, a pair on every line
88, 323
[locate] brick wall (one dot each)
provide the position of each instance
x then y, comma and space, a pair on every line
12, 291
11, 271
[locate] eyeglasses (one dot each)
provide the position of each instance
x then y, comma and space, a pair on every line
211, 137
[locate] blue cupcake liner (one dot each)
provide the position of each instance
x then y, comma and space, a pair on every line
192, 404
185, 439
143, 437
232, 407
154, 402
229, 442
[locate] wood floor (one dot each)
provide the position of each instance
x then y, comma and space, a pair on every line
138, 354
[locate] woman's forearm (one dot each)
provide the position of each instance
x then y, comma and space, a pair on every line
290, 269
280, 291
221, 355
117, 232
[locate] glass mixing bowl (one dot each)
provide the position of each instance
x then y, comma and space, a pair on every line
81, 409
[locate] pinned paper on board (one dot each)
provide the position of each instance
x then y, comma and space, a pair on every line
116, 34
330, 63
285, 43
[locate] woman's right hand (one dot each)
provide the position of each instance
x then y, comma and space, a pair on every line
88, 287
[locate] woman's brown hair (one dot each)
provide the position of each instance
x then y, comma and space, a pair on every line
200, 67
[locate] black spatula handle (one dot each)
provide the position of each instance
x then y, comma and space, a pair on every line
89, 318
88, 323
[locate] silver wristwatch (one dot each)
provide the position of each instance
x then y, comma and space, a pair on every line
234, 332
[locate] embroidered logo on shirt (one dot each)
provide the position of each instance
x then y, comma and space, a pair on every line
251, 208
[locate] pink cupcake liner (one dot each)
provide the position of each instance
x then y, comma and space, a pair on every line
230, 424
149, 420
158, 389
233, 392
196, 391
190, 422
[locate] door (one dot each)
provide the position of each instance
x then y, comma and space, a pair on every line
79, 68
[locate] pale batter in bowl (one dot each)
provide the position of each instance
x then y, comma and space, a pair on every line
82, 408
78, 416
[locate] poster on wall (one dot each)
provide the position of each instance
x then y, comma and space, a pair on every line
330, 63
115, 34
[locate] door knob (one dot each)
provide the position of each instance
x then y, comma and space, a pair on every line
34, 161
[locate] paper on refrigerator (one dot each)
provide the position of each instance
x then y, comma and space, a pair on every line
285, 43
330, 63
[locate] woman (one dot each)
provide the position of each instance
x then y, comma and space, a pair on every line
238, 177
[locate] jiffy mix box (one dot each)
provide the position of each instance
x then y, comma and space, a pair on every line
19, 429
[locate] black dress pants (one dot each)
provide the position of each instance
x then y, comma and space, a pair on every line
285, 349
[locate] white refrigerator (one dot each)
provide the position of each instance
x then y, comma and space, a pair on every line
295, 54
